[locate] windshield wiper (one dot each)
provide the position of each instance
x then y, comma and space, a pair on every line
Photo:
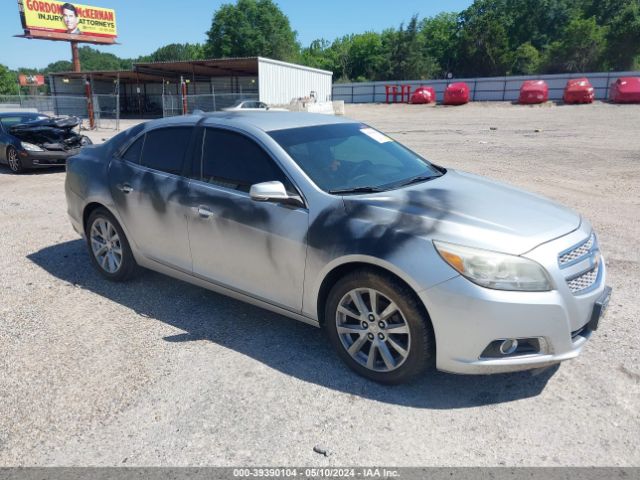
417, 179
358, 190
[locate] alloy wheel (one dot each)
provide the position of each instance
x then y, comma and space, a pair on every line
373, 330
13, 160
105, 245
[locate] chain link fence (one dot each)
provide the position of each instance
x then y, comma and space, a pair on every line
105, 107
172, 104
109, 108
106, 110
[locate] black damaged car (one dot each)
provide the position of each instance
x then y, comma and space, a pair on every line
35, 140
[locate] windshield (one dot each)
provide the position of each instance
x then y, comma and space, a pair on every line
353, 158
10, 121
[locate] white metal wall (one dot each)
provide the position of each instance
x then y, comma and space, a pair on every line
280, 82
481, 89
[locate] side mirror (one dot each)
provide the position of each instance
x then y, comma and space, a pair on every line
273, 192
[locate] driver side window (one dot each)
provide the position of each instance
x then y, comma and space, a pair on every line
232, 160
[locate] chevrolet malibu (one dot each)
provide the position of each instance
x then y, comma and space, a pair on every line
404, 263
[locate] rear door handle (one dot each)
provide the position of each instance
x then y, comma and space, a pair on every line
204, 212
126, 188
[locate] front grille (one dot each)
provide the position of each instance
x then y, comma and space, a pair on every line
583, 281
576, 253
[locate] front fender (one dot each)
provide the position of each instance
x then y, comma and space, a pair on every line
417, 263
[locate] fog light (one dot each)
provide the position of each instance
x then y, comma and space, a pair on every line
512, 347
507, 347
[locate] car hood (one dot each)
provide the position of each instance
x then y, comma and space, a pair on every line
469, 210
50, 133
45, 124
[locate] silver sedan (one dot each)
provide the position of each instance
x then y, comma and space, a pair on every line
404, 263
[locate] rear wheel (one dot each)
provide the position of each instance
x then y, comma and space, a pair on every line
13, 160
378, 328
108, 247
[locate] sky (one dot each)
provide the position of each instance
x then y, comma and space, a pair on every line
146, 25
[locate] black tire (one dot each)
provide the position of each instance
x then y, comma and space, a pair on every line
411, 314
84, 140
13, 160
128, 267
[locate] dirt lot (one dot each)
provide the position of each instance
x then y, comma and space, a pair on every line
158, 372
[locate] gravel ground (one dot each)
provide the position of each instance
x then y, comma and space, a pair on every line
158, 372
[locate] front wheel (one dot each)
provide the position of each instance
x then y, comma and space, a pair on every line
108, 247
379, 328
13, 160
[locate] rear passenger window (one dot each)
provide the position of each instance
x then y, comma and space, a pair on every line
165, 148
232, 160
133, 152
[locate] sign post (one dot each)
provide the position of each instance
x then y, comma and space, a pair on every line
75, 57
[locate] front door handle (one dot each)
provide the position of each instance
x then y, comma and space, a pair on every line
204, 212
126, 188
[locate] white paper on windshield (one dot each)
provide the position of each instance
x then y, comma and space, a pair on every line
377, 136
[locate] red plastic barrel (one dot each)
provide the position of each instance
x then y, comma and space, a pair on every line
533, 91
424, 95
456, 94
625, 90
578, 90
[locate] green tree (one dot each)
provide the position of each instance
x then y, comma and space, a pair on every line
59, 66
484, 41
93, 59
440, 34
405, 53
8, 81
319, 55
251, 28
538, 22
176, 52
341, 53
623, 36
366, 55
526, 60
580, 49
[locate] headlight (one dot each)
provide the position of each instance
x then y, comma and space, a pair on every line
31, 147
495, 270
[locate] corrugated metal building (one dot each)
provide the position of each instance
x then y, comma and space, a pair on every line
279, 82
153, 89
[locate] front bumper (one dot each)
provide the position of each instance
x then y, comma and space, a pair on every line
533, 97
47, 158
468, 318
579, 97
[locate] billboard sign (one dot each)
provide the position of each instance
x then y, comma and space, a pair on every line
31, 80
67, 21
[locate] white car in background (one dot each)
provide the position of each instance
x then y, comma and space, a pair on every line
252, 106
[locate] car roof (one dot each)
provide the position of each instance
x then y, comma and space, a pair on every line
266, 121
270, 121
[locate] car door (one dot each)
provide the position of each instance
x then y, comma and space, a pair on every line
257, 248
149, 190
